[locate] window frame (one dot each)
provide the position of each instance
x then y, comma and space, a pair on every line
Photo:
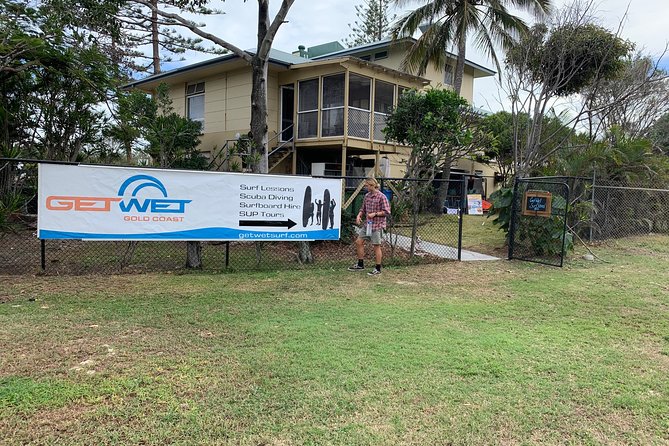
195, 93
369, 110
393, 102
324, 109
316, 110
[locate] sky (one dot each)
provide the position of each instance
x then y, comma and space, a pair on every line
312, 22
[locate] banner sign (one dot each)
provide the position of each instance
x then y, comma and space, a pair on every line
122, 203
474, 204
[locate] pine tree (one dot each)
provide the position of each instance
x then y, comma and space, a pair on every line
373, 22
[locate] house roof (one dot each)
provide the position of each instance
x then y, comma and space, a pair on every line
386, 43
288, 60
275, 56
362, 63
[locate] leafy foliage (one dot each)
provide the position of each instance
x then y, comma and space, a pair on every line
173, 139
659, 133
569, 57
52, 78
451, 22
618, 157
546, 234
502, 201
431, 123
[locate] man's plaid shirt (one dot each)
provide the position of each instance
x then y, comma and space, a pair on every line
375, 202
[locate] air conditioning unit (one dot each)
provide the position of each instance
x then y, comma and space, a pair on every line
317, 169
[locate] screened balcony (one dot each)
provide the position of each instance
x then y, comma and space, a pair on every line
322, 108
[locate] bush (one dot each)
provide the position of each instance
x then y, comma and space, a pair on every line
545, 234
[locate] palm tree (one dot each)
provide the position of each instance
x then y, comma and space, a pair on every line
448, 23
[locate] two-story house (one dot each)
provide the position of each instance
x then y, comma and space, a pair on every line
326, 105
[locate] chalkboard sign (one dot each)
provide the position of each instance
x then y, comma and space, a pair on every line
537, 203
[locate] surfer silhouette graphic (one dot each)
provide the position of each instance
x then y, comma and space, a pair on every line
333, 204
319, 208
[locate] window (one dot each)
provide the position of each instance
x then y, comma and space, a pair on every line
366, 58
195, 102
333, 106
307, 109
384, 97
381, 55
448, 74
359, 98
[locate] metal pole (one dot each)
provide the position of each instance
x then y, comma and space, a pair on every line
564, 229
43, 253
227, 254
592, 203
512, 225
461, 216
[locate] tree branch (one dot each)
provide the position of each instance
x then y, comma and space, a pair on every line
192, 26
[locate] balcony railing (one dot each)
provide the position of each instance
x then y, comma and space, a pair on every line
359, 122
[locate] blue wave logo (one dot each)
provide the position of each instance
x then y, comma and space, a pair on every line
136, 183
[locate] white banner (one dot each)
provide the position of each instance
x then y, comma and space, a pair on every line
120, 203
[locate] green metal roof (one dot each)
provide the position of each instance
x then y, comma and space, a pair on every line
275, 56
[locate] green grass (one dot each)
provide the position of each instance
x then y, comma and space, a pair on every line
455, 353
478, 232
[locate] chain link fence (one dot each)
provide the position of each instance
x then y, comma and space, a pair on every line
420, 230
624, 210
598, 211
539, 220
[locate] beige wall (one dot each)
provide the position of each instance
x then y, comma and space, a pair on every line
273, 104
227, 105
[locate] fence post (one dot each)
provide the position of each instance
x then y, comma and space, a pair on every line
42, 243
227, 254
461, 217
512, 225
564, 228
592, 202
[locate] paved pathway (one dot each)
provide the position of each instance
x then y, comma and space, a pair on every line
443, 251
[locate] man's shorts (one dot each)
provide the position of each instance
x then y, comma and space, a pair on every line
375, 238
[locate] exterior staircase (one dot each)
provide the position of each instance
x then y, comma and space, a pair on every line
276, 156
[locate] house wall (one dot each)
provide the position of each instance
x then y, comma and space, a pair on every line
227, 107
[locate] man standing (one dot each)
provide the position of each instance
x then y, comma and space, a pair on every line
319, 206
375, 208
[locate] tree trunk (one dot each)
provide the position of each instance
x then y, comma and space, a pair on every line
442, 192
259, 117
259, 92
460, 65
128, 151
305, 255
155, 42
193, 255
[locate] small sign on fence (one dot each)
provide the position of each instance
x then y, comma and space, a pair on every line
474, 204
537, 203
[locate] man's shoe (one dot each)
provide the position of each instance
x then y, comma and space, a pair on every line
374, 272
356, 268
